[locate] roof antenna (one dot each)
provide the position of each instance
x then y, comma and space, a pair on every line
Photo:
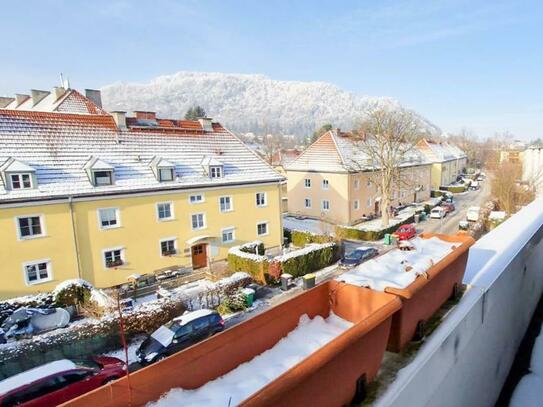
64, 83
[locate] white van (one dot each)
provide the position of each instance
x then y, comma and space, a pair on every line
472, 215
438, 212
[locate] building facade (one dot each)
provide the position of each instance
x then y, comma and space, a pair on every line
101, 196
324, 182
532, 168
448, 161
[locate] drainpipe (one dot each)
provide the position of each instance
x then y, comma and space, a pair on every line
76, 244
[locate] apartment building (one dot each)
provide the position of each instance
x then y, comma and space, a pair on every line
102, 196
448, 161
329, 181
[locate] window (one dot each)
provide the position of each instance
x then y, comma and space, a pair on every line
369, 183
225, 203
356, 184
38, 272
165, 174
164, 211
262, 228
261, 199
215, 172
368, 203
228, 235
102, 178
113, 258
356, 204
108, 218
307, 203
325, 184
29, 227
307, 183
167, 247
325, 205
21, 181
198, 221
198, 198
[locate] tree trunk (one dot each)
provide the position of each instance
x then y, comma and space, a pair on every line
384, 205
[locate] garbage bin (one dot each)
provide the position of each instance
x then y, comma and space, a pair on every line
249, 294
393, 240
308, 281
285, 281
417, 218
387, 239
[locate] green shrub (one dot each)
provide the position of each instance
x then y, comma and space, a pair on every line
287, 234
235, 302
370, 235
301, 238
72, 292
311, 261
255, 247
455, 189
436, 194
256, 269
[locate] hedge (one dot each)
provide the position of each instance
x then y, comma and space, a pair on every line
301, 238
256, 269
309, 259
256, 247
455, 189
370, 235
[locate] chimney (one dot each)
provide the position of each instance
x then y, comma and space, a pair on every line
120, 119
206, 123
38, 95
20, 98
5, 101
143, 115
95, 96
58, 92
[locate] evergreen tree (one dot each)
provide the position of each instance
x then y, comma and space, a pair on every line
195, 113
316, 134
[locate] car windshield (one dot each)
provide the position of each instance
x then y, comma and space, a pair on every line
403, 230
357, 254
173, 325
88, 363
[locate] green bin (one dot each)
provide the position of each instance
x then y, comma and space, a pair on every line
308, 281
249, 296
388, 239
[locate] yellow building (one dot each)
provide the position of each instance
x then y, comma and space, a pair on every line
448, 161
327, 181
99, 196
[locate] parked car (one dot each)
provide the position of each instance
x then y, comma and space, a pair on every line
56, 382
178, 334
448, 206
438, 212
472, 215
358, 256
474, 186
405, 232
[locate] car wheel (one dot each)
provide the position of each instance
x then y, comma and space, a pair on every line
159, 358
109, 380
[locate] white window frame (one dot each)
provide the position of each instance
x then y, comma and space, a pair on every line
172, 172
117, 217
202, 200
306, 201
19, 175
172, 214
111, 178
307, 183
230, 228
325, 184
322, 204
203, 218
356, 204
356, 184
231, 199
42, 226
167, 239
368, 202
265, 200
39, 281
216, 171
267, 223
111, 249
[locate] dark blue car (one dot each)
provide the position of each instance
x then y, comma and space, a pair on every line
359, 255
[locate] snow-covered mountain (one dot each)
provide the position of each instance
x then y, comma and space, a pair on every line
248, 103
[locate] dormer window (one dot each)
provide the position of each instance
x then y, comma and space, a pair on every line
100, 173
21, 181
215, 172
18, 175
164, 170
101, 178
213, 167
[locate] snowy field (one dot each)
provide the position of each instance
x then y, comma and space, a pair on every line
398, 268
308, 225
235, 386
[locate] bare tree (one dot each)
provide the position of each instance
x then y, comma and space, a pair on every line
271, 145
387, 138
507, 188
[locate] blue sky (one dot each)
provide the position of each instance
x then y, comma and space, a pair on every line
469, 64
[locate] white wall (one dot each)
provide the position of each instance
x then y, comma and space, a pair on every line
532, 168
467, 359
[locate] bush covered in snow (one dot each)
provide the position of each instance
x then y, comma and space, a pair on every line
72, 292
300, 262
348, 232
254, 247
300, 238
245, 259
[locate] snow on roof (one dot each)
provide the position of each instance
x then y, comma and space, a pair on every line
439, 151
34, 374
58, 145
70, 100
191, 316
398, 268
13, 165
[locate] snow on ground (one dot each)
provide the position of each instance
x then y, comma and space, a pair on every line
377, 224
398, 268
249, 377
132, 348
35, 374
315, 226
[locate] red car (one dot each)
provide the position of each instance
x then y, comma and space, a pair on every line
448, 206
57, 382
405, 232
